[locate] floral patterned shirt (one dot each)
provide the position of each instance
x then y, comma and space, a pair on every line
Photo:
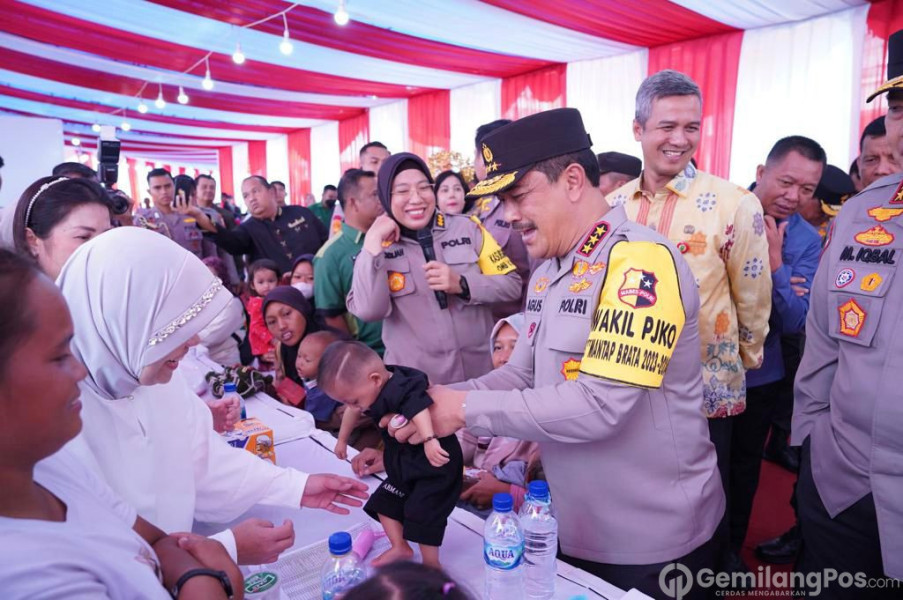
720, 229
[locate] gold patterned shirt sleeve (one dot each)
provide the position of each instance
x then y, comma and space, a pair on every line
750, 278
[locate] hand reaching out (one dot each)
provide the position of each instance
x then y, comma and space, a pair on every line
226, 412
341, 450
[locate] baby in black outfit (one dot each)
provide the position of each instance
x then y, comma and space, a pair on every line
423, 482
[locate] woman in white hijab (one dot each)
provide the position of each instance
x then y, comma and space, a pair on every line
138, 302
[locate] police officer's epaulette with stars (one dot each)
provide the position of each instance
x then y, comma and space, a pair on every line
594, 238
897, 198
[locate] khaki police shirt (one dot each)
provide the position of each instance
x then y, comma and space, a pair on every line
847, 398
491, 213
606, 377
448, 345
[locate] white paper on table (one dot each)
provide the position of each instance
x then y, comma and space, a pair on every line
299, 570
287, 422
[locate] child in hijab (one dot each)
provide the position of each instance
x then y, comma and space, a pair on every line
497, 464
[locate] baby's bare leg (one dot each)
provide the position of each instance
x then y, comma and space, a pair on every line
400, 549
430, 556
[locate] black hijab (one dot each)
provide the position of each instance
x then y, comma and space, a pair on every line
286, 294
392, 166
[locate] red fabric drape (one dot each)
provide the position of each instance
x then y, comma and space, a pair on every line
884, 18
57, 28
168, 168
534, 92
181, 170
133, 178
713, 63
315, 25
354, 133
225, 170
299, 165
429, 123
643, 23
257, 157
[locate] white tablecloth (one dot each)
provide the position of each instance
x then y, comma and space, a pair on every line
301, 446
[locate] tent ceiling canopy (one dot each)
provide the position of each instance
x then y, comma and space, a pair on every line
97, 61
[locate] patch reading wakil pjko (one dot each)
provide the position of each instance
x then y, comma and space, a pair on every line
639, 316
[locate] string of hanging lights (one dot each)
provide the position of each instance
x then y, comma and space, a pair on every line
286, 47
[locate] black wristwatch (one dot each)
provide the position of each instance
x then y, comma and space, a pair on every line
219, 575
465, 290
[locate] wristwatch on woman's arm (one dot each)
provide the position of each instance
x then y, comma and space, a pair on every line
218, 575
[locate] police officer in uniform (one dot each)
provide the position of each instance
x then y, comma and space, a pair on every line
489, 211
606, 373
166, 218
435, 310
848, 412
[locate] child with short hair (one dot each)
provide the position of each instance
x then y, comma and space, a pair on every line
423, 482
327, 412
263, 277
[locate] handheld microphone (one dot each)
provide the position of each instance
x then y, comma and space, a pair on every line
425, 239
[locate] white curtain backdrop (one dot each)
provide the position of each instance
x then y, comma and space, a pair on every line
604, 91
241, 168
325, 167
389, 125
799, 79
277, 160
472, 106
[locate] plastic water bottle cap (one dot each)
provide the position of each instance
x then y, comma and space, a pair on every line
539, 489
230, 387
340, 543
502, 502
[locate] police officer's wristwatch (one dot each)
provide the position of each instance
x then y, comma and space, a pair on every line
465, 290
218, 575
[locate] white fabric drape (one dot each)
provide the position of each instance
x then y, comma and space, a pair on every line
749, 14
325, 167
389, 125
604, 91
470, 107
799, 79
241, 168
277, 160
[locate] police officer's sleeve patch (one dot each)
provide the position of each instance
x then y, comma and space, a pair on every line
639, 317
492, 259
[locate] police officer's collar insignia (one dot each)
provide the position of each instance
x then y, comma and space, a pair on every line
638, 288
594, 238
440, 220
898, 195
